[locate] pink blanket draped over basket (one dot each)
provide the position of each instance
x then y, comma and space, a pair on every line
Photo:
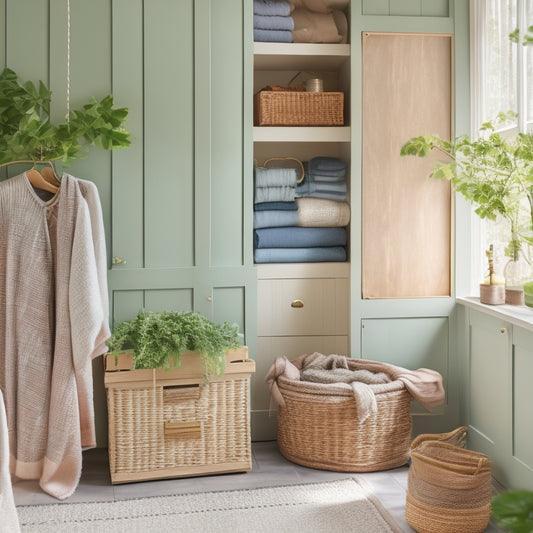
424, 384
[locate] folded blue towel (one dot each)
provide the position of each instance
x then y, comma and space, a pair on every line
264, 22
274, 194
275, 219
272, 36
268, 206
275, 177
299, 237
300, 255
272, 7
326, 166
329, 190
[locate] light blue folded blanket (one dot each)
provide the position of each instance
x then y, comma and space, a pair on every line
271, 206
272, 7
272, 36
264, 22
274, 219
275, 177
300, 255
274, 194
299, 237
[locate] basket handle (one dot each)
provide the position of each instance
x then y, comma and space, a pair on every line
183, 430
300, 164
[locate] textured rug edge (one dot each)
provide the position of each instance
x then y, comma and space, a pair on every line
376, 502
364, 487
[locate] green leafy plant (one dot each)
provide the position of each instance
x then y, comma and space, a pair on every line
158, 340
513, 510
492, 172
26, 131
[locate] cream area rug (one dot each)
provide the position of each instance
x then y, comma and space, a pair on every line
338, 506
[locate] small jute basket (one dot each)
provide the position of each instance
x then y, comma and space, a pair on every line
449, 489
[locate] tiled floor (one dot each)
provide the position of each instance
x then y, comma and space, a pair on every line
269, 468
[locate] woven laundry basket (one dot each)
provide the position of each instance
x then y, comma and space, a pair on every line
449, 489
170, 423
319, 426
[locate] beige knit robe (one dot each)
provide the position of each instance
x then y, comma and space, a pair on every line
53, 321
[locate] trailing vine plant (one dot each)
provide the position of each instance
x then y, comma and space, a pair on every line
27, 133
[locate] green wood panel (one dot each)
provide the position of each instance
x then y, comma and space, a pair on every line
26, 42
375, 7
126, 305
168, 300
404, 7
522, 402
127, 195
412, 343
228, 306
435, 8
58, 59
169, 133
227, 133
3, 171
489, 389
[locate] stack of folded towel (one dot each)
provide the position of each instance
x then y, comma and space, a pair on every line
273, 21
288, 229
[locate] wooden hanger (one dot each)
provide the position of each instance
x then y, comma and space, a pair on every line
37, 180
50, 176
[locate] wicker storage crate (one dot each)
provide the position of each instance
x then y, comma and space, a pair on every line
165, 424
298, 108
322, 430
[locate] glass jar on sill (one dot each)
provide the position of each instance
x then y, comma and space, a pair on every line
516, 272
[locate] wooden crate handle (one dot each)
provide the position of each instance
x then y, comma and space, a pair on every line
183, 430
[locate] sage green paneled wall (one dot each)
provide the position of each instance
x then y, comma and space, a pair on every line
174, 202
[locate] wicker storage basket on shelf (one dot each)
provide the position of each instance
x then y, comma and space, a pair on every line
323, 431
449, 489
298, 108
170, 423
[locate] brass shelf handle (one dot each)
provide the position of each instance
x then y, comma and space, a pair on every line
117, 260
297, 304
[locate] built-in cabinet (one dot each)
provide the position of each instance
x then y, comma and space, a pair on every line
497, 377
301, 307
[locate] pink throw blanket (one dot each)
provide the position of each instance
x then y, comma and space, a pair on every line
424, 384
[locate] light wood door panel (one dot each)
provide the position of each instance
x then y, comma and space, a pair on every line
406, 216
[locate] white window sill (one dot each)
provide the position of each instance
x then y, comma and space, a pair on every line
518, 315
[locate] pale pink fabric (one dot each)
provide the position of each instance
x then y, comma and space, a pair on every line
51, 324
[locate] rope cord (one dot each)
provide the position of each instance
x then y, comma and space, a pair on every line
68, 62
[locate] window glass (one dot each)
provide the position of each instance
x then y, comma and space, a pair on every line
499, 61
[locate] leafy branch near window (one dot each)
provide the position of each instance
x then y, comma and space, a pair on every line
492, 172
26, 132
527, 39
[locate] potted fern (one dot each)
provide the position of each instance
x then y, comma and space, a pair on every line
158, 340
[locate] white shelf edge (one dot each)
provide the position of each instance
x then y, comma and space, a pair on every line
302, 134
518, 315
294, 49
302, 270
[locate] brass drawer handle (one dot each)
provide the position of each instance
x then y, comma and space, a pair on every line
297, 303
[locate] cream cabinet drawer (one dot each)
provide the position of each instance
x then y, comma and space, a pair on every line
303, 306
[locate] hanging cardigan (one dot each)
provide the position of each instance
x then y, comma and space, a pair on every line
52, 322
